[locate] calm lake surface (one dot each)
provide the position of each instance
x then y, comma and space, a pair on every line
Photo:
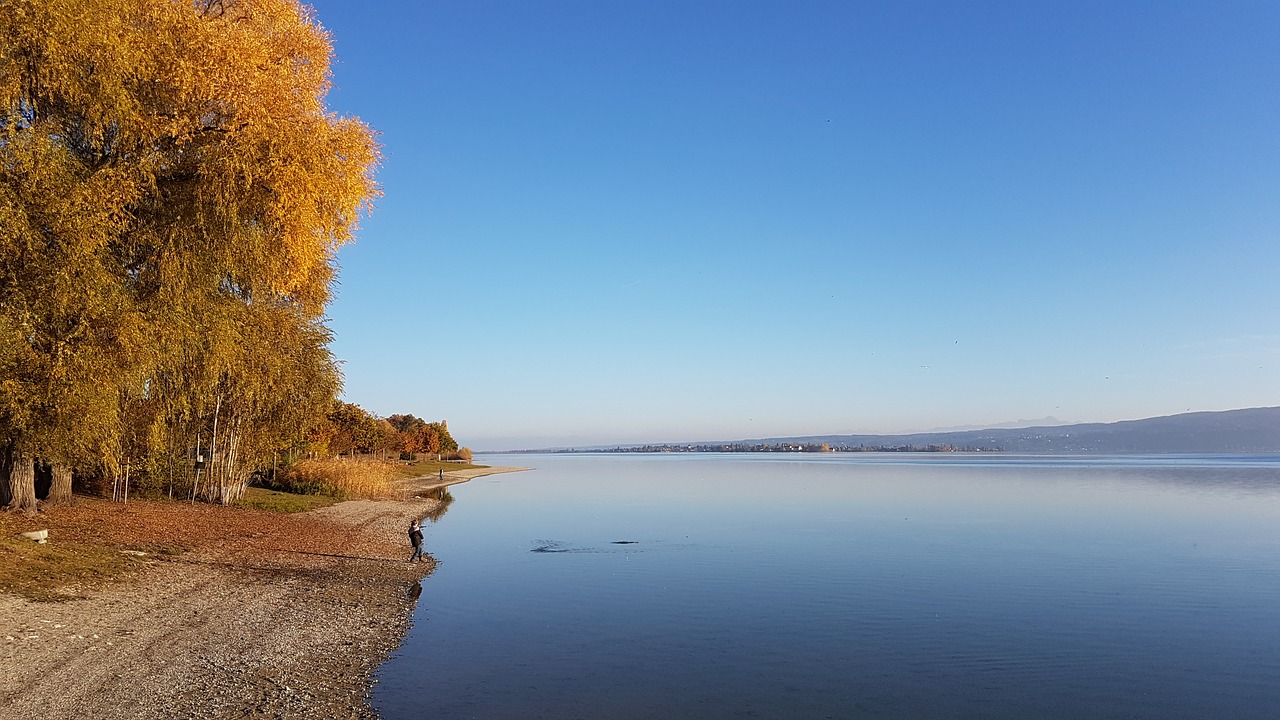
850, 586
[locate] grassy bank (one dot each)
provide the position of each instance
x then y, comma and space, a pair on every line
95, 541
281, 501
53, 572
423, 468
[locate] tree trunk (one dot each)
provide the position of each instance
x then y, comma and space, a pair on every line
5, 463
22, 482
60, 490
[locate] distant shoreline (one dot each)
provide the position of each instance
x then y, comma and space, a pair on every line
788, 448
1244, 431
423, 483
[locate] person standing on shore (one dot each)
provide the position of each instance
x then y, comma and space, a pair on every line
415, 537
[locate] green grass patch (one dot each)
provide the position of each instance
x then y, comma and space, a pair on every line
278, 501
419, 468
58, 571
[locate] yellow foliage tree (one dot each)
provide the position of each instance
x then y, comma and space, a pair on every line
172, 195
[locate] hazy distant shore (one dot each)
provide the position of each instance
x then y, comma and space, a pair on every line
264, 615
1247, 430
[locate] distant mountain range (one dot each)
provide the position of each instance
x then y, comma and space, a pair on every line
1254, 430
1049, 421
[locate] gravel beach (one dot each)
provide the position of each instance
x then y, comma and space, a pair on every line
265, 615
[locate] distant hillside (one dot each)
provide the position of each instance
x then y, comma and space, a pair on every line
1255, 430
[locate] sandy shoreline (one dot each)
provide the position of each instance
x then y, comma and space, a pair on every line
266, 615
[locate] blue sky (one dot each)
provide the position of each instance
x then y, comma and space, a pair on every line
663, 221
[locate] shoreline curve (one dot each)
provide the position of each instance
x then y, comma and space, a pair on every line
263, 615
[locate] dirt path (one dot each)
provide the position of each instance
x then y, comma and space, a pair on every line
265, 616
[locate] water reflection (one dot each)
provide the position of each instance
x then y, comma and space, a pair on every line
714, 587
443, 499
558, 546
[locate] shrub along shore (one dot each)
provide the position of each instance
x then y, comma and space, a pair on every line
159, 609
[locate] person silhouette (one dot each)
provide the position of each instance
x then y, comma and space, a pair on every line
415, 537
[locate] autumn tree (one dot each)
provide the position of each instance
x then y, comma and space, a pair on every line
389, 439
432, 438
405, 423
172, 195
353, 430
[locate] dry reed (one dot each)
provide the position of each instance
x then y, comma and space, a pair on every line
339, 477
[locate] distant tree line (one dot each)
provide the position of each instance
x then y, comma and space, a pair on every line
350, 430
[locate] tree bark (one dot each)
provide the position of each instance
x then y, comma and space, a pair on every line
22, 482
6, 458
60, 490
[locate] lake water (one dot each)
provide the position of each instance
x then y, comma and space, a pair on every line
850, 586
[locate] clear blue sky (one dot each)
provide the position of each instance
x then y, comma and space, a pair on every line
662, 221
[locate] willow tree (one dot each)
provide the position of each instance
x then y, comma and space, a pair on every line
265, 376
67, 329
173, 192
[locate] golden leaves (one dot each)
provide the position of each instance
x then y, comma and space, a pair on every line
230, 104
172, 195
